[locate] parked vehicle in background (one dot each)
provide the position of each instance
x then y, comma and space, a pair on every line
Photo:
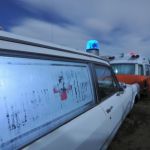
53, 97
131, 69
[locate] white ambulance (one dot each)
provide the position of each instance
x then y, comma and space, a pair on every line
133, 68
53, 97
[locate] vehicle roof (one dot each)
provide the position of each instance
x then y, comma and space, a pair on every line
139, 60
12, 42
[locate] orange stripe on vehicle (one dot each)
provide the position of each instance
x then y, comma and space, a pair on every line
130, 79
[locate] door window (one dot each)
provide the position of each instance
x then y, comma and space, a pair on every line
140, 70
147, 69
107, 84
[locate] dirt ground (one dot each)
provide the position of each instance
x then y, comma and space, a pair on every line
134, 134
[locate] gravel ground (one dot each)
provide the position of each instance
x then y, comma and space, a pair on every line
134, 134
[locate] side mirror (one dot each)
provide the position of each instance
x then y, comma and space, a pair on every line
121, 89
122, 86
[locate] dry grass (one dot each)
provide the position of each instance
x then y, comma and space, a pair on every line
134, 134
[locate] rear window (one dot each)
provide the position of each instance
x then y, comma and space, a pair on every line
124, 68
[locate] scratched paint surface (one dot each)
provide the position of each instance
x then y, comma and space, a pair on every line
36, 92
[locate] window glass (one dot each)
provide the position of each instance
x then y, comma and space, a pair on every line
147, 70
39, 95
124, 68
106, 82
140, 70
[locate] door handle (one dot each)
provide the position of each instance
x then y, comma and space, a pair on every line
109, 109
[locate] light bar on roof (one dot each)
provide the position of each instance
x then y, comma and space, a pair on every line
134, 55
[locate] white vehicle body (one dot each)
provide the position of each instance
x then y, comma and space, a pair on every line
136, 91
51, 97
141, 61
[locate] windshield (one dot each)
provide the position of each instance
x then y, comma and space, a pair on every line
124, 68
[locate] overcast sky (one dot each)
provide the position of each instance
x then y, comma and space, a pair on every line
119, 25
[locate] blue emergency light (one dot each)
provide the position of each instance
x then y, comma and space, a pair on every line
92, 44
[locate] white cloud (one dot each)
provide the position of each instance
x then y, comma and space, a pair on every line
70, 36
98, 25
123, 23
